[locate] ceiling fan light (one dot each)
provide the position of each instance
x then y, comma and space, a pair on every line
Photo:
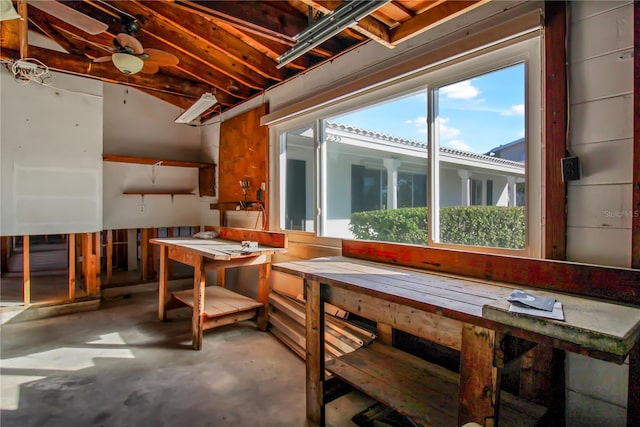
128, 64
7, 11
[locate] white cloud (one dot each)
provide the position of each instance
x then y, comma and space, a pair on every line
461, 90
447, 132
458, 145
515, 110
420, 123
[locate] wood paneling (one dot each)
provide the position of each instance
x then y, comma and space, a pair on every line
244, 155
555, 110
618, 284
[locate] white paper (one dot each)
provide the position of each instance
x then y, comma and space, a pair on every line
557, 313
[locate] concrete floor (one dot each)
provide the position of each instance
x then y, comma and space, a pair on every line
121, 366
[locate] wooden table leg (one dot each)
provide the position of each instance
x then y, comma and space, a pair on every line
199, 282
633, 398
315, 351
479, 379
263, 295
162, 282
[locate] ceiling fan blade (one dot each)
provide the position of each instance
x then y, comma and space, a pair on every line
103, 59
70, 16
149, 68
161, 57
100, 45
129, 41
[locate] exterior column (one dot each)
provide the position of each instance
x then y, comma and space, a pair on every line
465, 177
392, 166
511, 190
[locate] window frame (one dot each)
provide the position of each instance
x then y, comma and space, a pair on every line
512, 53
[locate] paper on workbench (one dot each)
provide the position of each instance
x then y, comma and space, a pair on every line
557, 313
529, 299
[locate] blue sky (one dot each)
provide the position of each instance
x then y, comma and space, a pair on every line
475, 115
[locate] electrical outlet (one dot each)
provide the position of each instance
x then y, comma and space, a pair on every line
570, 169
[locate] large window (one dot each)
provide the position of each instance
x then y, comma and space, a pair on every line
459, 145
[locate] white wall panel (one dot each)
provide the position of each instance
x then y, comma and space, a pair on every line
602, 120
585, 411
606, 206
137, 124
606, 380
585, 9
51, 156
586, 43
602, 77
608, 162
601, 246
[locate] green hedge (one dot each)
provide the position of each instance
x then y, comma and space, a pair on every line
494, 226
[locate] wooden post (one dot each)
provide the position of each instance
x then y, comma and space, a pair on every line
263, 295
633, 397
5, 243
542, 381
153, 258
315, 351
198, 302
97, 265
71, 242
109, 256
144, 253
162, 282
170, 233
26, 273
479, 379
385, 333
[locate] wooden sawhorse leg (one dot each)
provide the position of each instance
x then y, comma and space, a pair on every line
199, 283
479, 378
315, 351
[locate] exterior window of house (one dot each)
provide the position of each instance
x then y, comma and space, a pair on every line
476, 192
405, 163
297, 153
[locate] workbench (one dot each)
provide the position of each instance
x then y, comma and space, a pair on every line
463, 313
215, 306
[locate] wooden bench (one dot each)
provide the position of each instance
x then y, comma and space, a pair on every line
396, 286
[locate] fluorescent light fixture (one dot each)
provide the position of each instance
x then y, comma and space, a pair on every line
346, 15
7, 11
205, 102
128, 64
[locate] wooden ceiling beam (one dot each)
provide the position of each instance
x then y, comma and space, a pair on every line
436, 15
158, 27
367, 26
206, 30
9, 38
40, 20
276, 20
78, 65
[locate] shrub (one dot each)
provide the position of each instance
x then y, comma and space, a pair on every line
494, 226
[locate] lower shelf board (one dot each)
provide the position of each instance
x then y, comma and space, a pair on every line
218, 302
425, 392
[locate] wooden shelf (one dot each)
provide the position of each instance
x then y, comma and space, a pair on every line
419, 389
152, 161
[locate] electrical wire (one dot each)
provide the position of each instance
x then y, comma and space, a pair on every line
26, 70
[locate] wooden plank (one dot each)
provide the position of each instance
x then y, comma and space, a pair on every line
26, 272
288, 342
433, 327
287, 284
619, 284
555, 119
169, 264
109, 256
591, 324
199, 280
635, 221
263, 296
71, 245
314, 352
228, 319
5, 248
97, 265
218, 301
267, 238
154, 161
479, 379
163, 282
385, 333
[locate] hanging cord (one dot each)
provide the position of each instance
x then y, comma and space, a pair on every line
30, 69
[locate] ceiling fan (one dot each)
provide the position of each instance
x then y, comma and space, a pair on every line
130, 57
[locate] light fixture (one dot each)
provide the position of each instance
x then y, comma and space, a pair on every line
128, 64
205, 102
7, 11
346, 15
